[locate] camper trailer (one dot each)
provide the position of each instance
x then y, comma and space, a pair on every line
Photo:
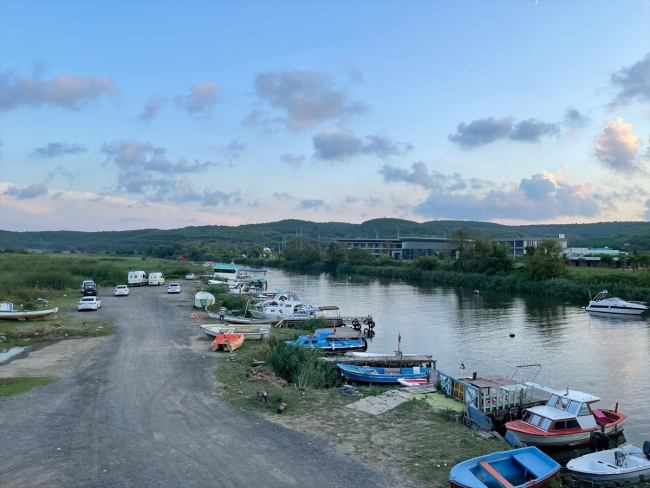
137, 278
156, 279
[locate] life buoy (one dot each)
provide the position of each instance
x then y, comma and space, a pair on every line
598, 442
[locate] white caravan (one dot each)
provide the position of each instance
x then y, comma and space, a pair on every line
137, 278
156, 279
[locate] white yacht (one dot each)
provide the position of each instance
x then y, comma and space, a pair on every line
602, 304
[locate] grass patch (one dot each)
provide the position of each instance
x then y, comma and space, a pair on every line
15, 386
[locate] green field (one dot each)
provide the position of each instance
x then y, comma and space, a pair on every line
14, 386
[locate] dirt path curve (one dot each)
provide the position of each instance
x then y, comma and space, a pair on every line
141, 412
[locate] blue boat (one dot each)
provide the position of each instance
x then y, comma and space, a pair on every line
330, 343
527, 467
368, 374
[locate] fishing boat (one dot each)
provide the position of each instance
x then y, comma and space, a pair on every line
603, 304
7, 312
248, 331
330, 343
283, 307
527, 467
567, 420
367, 374
228, 342
627, 464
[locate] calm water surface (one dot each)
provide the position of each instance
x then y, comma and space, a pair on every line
603, 356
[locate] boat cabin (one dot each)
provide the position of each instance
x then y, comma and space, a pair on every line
571, 410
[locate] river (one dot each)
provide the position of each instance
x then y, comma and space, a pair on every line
603, 356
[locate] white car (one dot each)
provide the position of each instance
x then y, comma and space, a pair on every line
174, 288
121, 291
190, 276
89, 303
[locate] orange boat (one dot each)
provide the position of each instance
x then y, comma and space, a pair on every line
229, 342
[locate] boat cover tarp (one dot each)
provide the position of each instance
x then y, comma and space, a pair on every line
203, 300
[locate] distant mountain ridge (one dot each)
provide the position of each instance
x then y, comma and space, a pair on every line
614, 234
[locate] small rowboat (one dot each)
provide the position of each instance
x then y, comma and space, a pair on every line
527, 467
248, 331
414, 381
27, 314
227, 342
627, 464
366, 374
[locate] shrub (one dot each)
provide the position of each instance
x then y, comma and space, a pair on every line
302, 366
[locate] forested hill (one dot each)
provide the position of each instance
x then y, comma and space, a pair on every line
613, 234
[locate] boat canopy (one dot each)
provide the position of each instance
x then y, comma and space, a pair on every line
252, 270
329, 307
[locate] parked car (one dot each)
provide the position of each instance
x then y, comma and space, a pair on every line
121, 291
156, 279
190, 276
89, 303
89, 288
174, 288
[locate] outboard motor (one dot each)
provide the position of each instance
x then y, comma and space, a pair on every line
646, 449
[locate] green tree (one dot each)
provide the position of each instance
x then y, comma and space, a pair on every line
357, 256
607, 259
334, 255
544, 261
426, 263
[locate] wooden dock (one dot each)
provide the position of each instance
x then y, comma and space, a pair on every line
365, 324
385, 360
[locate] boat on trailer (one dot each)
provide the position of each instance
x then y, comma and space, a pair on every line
601, 303
527, 467
627, 464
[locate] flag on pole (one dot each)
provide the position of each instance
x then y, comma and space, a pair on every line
399, 337
462, 365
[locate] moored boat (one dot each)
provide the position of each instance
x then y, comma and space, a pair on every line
228, 342
567, 420
601, 303
248, 331
527, 467
368, 374
627, 464
414, 381
330, 343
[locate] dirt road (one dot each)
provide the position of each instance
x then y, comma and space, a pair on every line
140, 411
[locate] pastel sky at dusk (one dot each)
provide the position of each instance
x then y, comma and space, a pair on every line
125, 115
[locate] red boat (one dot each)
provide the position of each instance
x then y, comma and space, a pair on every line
229, 342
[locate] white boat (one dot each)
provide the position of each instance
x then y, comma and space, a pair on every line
625, 464
569, 419
225, 272
230, 319
248, 331
203, 300
7, 312
283, 305
602, 304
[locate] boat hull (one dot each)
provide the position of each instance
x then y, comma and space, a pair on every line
381, 375
228, 342
28, 314
629, 310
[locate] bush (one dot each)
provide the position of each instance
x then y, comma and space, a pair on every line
302, 366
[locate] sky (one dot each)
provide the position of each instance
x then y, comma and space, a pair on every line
162, 114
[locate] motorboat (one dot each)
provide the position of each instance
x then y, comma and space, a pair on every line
527, 467
285, 305
626, 464
228, 342
7, 312
330, 343
601, 303
231, 319
248, 331
225, 272
568, 419
370, 374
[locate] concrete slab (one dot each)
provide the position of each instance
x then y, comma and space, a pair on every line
381, 403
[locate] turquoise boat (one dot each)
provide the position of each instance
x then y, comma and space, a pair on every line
368, 374
330, 343
527, 467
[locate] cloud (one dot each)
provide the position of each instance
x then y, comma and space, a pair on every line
484, 131
293, 161
646, 214
201, 100
480, 132
284, 196
143, 156
420, 175
617, 148
59, 172
574, 119
230, 151
26, 192
341, 144
151, 108
66, 90
55, 149
369, 201
306, 96
632, 83
309, 204
185, 192
532, 130
356, 78
541, 197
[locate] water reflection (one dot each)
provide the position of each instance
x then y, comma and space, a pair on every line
604, 356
